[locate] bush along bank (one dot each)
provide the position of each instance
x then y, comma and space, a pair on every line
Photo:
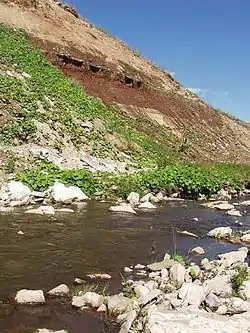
167, 296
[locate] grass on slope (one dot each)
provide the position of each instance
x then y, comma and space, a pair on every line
47, 96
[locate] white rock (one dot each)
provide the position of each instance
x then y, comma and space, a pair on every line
245, 238
63, 194
146, 197
23, 202
177, 274
212, 301
141, 291
101, 276
187, 233
245, 203
133, 198
128, 270
139, 266
164, 275
48, 210
43, 210
198, 250
194, 294
88, 299
223, 195
194, 321
157, 266
120, 304
234, 212
61, 290
222, 310
38, 194
220, 205
123, 208
20, 233
234, 257
146, 205
219, 285
64, 210
196, 219
78, 281
26, 296
126, 320
37, 211
236, 305
150, 296
220, 232
17, 191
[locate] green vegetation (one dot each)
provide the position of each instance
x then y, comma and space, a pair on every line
128, 289
193, 273
177, 257
238, 280
33, 92
190, 180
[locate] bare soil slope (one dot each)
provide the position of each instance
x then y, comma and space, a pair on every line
119, 76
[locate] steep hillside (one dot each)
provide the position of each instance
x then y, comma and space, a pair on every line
159, 107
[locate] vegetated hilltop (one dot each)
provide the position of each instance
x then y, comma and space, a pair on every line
153, 113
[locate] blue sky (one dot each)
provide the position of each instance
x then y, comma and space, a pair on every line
206, 43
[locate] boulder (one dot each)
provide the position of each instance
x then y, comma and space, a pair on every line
133, 198
245, 203
222, 309
139, 266
126, 321
198, 250
177, 274
91, 299
236, 305
220, 232
101, 276
234, 257
17, 191
63, 194
64, 210
212, 301
223, 195
79, 281
123, 208
43, 210
219, 285
128, 270
193, 321
120, 304
220, 205
62, 290
158, 266
26, 296
234, 212
245, 238
147, 205
193, 294
146, 198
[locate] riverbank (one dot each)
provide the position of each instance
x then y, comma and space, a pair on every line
166, 296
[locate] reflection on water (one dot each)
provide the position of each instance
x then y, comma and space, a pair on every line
56, 249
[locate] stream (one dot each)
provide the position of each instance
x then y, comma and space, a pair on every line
56, 249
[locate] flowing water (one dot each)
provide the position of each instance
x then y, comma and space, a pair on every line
56, 249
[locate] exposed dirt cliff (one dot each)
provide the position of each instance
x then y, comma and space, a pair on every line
119, 76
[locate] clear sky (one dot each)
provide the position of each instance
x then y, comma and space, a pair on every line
205, 43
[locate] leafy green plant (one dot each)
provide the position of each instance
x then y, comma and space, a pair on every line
178, 258
238, 279
192, 273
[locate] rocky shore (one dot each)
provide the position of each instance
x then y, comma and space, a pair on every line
167, 296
